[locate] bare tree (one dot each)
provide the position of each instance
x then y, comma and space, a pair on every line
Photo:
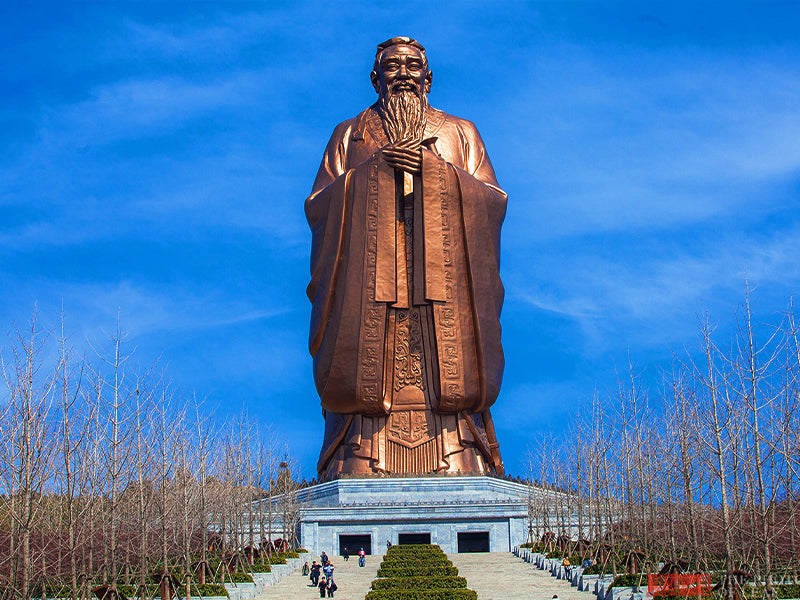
27, 428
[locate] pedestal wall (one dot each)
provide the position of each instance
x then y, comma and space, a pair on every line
490, 514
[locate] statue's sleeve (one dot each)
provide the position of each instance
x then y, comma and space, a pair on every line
477, 160
333, 161
483, 206
338, 246
324, 210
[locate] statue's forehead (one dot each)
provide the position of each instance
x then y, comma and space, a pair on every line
399, 50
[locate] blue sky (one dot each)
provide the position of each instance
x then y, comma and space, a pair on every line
154, 159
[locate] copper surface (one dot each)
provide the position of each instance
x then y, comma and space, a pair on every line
405, 286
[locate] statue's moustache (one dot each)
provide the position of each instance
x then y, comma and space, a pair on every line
398, 87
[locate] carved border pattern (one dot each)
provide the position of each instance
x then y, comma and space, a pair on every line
370, 372
447, 315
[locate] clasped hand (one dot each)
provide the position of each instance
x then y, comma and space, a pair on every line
405, 155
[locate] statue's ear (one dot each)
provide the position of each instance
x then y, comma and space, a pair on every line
428, 80
376, 81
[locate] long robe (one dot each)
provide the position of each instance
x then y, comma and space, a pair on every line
358, 276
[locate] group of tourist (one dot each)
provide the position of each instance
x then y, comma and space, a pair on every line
321, 575
587, 562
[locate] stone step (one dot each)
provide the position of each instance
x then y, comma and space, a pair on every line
503, 576
353, 581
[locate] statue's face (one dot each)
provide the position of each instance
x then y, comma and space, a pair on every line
402, 68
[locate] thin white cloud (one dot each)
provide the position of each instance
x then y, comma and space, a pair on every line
684, 139
226, 35
149, 311
137, 108
648, 298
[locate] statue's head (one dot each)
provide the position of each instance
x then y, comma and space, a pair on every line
402, 80
401, 63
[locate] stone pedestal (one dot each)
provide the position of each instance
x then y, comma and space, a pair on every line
458, 513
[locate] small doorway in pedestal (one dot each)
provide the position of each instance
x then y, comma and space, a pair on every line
354, 543
413, 538
473, 541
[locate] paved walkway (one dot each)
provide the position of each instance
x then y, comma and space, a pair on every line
495, 576
503, 576
352, 580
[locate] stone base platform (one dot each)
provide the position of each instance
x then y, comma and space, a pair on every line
459, 513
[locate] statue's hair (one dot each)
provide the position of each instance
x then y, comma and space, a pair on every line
398, 41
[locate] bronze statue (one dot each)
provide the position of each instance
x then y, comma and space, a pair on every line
405, 216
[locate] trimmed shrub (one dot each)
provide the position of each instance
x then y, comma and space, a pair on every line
209, 589
422, 549
413, 561
787, 591
537, 547
687, 593
599, 569
53, 590
419, 583
257, 567
131, 591
239, 578
276, 559
418, 571
781, 591
629, 581
458, 594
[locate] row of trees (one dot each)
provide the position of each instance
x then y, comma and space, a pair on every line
703, 467
109, 474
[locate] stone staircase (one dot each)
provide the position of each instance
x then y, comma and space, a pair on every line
503, 576
598, 585
261, 581
494, 576
353, 581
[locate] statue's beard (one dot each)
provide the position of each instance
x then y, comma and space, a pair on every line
403, 114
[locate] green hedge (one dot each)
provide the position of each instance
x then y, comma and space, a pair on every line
239, 578
418, 571
257, 567
209, 589
599, 569
422, 549
538, 547
52, 590
413, 561
781, 591
687, 593
415, 556
629, 581
130, 591
275, 559
457, 594
289, 554
419, 583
